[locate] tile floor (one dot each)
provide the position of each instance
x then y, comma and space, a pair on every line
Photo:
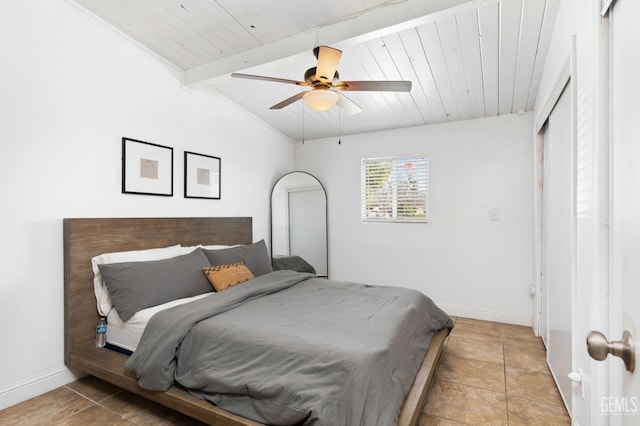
491, 374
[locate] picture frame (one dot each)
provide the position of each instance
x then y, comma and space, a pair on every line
202, 176
147, 168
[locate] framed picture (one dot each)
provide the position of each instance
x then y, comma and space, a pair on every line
201, 176
147, 168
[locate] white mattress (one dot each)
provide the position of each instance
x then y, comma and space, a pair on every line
126, 335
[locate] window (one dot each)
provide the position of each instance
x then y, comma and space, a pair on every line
394, 189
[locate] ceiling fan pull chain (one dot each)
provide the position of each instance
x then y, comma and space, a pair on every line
339, 128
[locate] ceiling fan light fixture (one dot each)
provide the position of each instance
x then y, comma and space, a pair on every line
321, 100
325, 84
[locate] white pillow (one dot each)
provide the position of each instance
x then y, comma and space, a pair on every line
100, 288
215, 247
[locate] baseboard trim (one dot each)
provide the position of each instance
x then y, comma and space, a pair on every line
486, 315
19, 392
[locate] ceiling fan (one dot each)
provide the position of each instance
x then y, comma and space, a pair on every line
325, 85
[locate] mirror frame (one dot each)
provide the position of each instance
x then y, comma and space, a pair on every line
326, 215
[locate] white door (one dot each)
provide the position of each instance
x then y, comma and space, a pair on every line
557, 242
624, 404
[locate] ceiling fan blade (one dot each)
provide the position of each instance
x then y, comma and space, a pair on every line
328, 59
348, 105
288, 101
274, 79
374, 86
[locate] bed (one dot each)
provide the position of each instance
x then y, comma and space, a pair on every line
86, 238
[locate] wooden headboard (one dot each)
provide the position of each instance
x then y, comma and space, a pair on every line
85, 238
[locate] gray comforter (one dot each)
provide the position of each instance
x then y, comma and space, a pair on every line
287, 347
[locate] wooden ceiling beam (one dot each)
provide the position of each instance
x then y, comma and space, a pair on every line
371, 24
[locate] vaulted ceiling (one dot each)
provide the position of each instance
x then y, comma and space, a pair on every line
466, 59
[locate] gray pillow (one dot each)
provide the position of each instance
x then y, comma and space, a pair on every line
134, 286
255, 256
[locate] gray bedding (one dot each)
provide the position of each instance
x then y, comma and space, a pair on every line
287, 347
292, 263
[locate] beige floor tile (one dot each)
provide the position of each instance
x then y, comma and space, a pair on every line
429, 420
93, 388
477, 330
94, 415
532, 385
485, 375
521, 336
126, 404
518, 331
44, 409
463, 319
162, 416
488, 351
526, 357
144, 412
466, 404
533, 413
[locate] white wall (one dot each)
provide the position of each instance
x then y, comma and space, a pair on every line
70, 89
468, 264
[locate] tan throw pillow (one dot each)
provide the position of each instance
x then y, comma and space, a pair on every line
222, 277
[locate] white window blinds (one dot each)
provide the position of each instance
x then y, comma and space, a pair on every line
394, 189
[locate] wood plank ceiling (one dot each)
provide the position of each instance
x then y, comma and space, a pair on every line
466, 59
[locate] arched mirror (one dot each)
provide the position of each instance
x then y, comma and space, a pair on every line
299, 223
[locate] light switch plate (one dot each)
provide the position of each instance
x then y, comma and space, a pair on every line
494, 214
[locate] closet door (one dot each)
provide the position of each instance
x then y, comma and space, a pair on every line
557, 235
